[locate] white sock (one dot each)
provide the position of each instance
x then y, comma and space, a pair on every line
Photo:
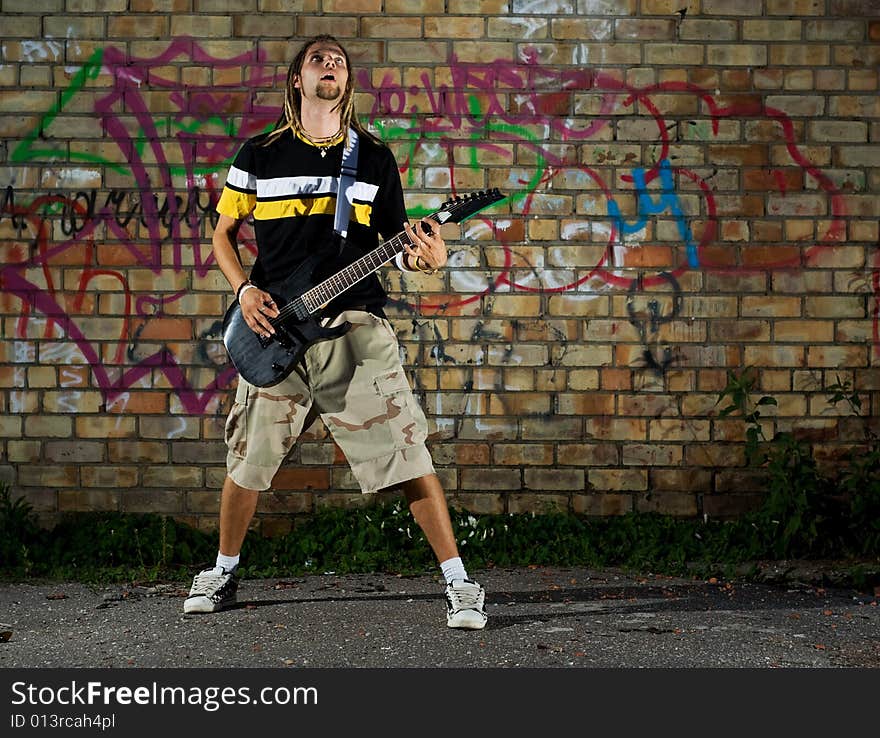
453, 569
227, 562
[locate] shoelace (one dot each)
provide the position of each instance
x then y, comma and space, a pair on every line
207, 581
468, 599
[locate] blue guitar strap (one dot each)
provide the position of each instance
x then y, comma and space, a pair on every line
345, 194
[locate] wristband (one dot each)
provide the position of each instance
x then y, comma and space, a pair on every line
244, 286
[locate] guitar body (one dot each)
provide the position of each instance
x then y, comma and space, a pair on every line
267, 361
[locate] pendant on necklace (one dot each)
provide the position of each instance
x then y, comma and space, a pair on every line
323, 153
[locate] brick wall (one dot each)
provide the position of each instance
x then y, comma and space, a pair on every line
694, 189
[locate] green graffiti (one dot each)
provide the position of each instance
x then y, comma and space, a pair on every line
25, 151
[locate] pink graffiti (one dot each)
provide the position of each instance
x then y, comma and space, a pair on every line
131, 80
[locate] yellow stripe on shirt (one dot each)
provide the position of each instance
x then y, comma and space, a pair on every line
298, 207
237, 205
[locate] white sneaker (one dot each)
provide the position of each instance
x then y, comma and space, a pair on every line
464, 605
212, 590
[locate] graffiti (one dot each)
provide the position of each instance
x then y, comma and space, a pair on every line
171, 143
648, 319
668, 201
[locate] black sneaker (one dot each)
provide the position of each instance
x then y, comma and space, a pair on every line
212, 590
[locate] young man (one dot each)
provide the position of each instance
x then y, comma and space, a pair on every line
288, 181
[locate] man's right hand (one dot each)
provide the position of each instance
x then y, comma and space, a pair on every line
258, 308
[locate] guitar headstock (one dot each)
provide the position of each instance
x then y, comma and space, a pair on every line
460, 207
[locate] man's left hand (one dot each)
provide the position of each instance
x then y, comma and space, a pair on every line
428, 249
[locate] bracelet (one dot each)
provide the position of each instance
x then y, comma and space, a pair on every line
246, 285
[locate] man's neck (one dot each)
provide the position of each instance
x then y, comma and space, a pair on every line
320, 122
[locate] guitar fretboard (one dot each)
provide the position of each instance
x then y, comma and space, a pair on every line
322, 293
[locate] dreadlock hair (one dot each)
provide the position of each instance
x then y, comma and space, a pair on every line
290, 111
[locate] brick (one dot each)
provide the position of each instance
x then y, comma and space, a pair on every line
109, 476
628, 480
737, 55
137, 26
455, 27
289, 478
770, 306
526, 454
202, 26
264, 26
537, 504
677, 504
674, 54
48, 476
602, 505
774, 356
88, 500
843, 306
48, 426
554, 479
167, 428
435, 7
585, 404
150, 501
635, 454
839, 131
487, 429
137, 452
273, 501
352, 6
675, 480
771, 30
78, 452
173, 476
461, 454
673, 429
478, 503
632, 29
490, 479
519, 403
714, 455
812, 331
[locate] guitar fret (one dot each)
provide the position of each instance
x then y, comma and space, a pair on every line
324, 292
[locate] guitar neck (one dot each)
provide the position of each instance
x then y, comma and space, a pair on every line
315, 298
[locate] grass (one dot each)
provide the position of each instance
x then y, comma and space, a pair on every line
115, 547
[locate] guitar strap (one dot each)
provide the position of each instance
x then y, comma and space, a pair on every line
345, 195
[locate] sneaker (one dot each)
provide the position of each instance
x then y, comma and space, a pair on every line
464, 605
212, 590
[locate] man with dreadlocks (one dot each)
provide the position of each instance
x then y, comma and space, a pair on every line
288, 181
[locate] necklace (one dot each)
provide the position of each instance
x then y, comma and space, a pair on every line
324, 143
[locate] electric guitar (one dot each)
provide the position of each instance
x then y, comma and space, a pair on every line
267, 361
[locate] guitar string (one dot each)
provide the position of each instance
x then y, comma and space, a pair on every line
322, 291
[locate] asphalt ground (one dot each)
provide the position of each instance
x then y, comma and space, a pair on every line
565, 650
568, 618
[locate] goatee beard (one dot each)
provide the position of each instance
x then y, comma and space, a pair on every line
328, 92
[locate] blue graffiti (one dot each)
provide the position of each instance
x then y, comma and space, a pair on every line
667, 201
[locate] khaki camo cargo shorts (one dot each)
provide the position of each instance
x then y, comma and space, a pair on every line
358, 386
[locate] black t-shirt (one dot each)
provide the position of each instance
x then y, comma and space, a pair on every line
290, 189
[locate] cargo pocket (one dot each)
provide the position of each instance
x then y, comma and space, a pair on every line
406, 422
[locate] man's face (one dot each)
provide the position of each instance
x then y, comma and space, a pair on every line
324, 73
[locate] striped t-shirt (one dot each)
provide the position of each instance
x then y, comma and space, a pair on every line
290, 190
